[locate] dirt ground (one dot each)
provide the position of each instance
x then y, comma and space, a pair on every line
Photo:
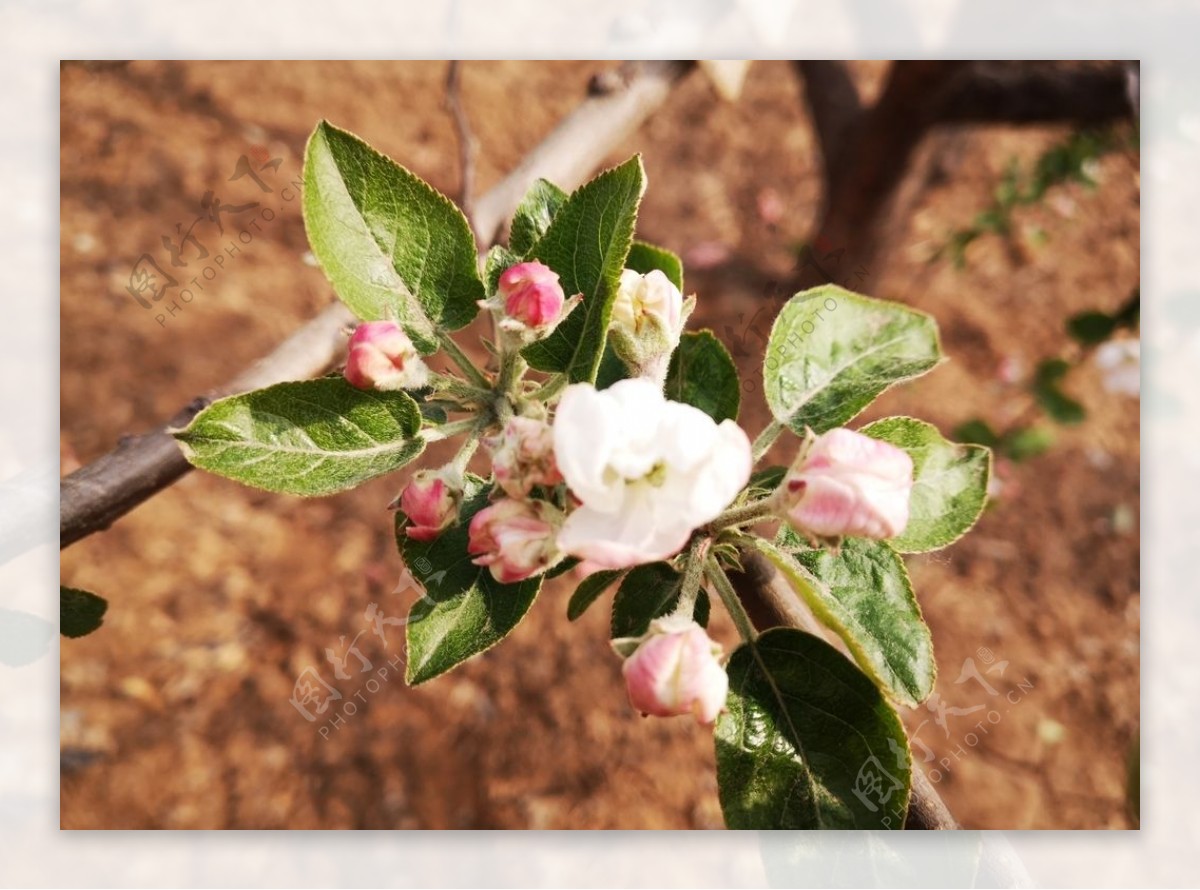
177, 714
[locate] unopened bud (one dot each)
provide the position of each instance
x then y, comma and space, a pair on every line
515, 539
523, 456
676, 670
430, 501
382, 357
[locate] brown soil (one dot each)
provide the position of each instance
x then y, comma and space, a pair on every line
177, 715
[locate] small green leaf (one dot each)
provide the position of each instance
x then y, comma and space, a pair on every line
589, 591
79, 611
862, 593
650, 591
534, 215
808, 741
586, 244
831, 352
702, 374
950, 483
499, 258
1026, 442
465, 611
312, 437
645, 258
393, 247
977, 431
1090, 328
1049, 394
764, 481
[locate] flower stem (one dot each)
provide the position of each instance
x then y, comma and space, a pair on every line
464, 363
766, 439
449, 430
459, 464
720, 582
750, 512
551, 388
692, 574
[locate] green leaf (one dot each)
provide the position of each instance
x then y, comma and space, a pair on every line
702, 374
587, 244
863, 594
465, 611
977, 431
1090, 328
611, 369
808, 741
1026, 442
650, 591
79, 611
764, 481
645, 258
498, 260
309, 438
1050, 396
950, 483
831, 352
534, 215
589, 591
393, 247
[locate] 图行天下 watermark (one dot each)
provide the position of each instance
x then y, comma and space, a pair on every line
875, 783
317, 699
195, 255
747, 339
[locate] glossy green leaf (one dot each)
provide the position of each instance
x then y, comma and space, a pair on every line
808, 741
464, 611
499, 258
534, 215
831, 352
587, 244
702, 374
589, 590
650, 591
863, 594
645, 258
1048, 392
312, 437
950, 483
79, 611
393, 247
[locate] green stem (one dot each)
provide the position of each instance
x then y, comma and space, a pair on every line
551, 388
720, 582
459, 464
692, 574
449, 430
751, 512
458, 388
464, 363
766, 439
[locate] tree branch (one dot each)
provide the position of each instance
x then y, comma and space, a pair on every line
833, 103
95, 496
772, 603
467, 143
1037, 92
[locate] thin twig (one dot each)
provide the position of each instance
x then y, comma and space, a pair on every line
468, 145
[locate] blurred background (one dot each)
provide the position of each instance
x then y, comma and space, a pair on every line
1015, 225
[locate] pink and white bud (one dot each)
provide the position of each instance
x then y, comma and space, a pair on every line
382, 357
848, 484
515, 539
523, 456
532, 296
430, 501
676, 670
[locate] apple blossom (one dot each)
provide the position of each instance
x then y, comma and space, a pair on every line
382, 357
647, 471
676, 670
531, 297
648, 317
515, 538
523, 456
430, 501
846, 483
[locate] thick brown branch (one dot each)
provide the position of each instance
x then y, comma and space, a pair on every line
98, 494
1033, 92
467, 143
771, 603
833, 103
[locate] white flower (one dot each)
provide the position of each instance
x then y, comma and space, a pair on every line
648, 472
1120, 363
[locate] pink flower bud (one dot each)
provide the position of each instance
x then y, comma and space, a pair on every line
846, 483
523, 456
675, 670
382, 357
515, 539
532, 295
430, 501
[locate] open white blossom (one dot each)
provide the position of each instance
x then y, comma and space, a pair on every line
647, 471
